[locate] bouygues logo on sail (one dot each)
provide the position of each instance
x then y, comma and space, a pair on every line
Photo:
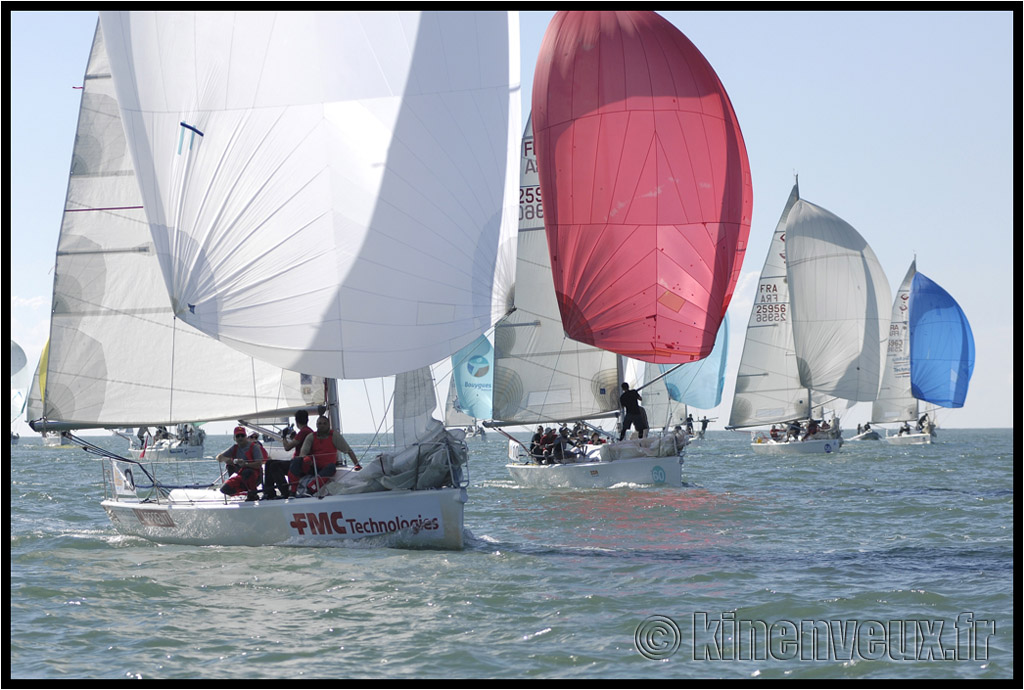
478, 366
335, 523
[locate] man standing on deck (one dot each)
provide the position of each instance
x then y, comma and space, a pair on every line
635, 415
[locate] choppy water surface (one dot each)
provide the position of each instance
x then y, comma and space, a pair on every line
875, 562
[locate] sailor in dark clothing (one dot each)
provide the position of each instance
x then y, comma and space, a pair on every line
635, 415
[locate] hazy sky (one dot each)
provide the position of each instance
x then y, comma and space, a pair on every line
901, 123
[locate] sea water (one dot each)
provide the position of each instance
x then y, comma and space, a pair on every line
878, 561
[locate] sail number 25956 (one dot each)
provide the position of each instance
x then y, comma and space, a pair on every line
770, 312
529, 203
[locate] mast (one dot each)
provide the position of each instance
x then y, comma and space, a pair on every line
333, 410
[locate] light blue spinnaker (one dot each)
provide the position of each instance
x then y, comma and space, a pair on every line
699, 384
941, 345
473, 378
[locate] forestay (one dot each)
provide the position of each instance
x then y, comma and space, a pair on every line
307, 207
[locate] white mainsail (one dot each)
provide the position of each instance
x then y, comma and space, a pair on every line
768, 387
840, 304
327, 191
895, 402
540, 375
117, 355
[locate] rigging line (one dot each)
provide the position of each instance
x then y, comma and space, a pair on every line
103, 208
387, 408
170, 398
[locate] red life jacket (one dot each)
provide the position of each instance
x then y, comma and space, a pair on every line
324, 453
300, 436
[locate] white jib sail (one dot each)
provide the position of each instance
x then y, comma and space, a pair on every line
895, 403
117, 356
841, 304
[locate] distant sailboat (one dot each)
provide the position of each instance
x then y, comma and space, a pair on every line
930, 358
816, 332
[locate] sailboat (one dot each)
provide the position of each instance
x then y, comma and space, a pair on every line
816, 332
642, 242
930, 358
327, 193
543, 377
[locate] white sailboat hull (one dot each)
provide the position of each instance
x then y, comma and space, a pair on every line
909, 439
812, 446
871, 435
427, 519
168, 450
666, 471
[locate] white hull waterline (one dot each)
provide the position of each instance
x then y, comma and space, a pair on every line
430, 518
599, 475
918, 439
167, 450
812, 446
633, 464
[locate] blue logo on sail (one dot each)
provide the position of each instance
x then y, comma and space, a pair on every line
478, 366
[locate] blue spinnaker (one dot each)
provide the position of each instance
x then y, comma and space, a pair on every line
699, 384
473, 371
941, 345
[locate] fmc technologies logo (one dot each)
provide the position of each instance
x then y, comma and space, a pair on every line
478, 366
335, 523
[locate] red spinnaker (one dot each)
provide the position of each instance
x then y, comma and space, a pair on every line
645, 184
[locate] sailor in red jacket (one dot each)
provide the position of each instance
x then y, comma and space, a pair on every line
319, 455
244, 462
